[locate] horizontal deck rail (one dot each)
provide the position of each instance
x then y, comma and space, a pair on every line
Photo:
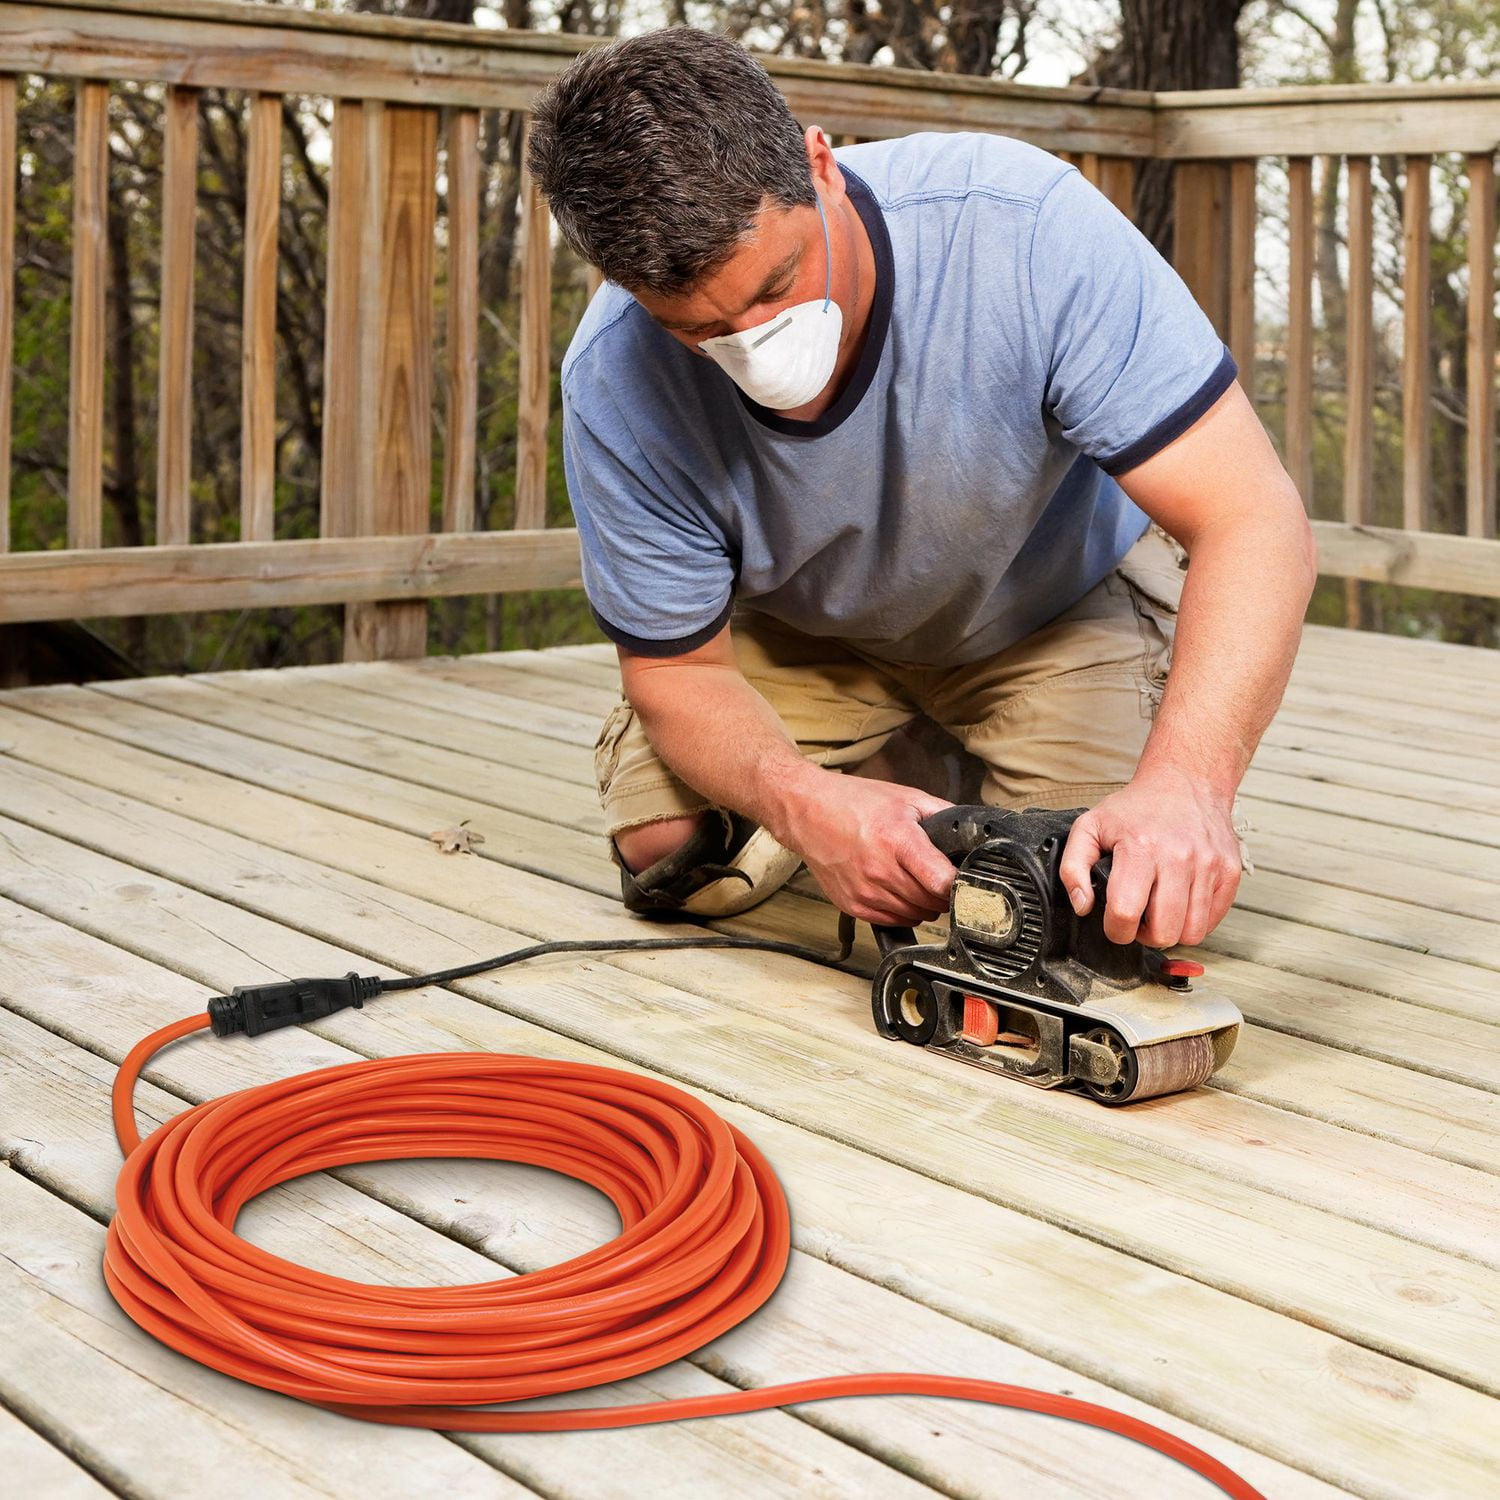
399, 87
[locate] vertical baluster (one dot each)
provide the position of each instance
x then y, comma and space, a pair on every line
1359, 430
1241, 338
341, 345
1480, 517
371, 337
258, 344
179, 208
1117, 183
463, 319
1299, 353
86, 338
1200, 236
1416, 389
7, 289
535, 373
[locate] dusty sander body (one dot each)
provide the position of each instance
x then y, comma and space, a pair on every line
1026, 987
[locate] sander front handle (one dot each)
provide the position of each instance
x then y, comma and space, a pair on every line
959, 830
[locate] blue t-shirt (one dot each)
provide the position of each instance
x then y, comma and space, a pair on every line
1026, 342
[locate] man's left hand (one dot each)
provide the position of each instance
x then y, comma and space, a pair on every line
1176, 860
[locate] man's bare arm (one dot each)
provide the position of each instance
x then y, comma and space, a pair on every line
1223, 493
859, 837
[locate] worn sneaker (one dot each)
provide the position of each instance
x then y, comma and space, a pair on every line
728, 866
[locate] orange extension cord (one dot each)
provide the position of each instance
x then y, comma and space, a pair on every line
706, 1238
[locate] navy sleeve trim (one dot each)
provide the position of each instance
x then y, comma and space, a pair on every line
1178, 423
678, 647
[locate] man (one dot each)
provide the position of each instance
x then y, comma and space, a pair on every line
857, 435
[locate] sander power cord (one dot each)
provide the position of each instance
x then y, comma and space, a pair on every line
705, 1240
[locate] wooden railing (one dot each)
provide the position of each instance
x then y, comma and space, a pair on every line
393, 84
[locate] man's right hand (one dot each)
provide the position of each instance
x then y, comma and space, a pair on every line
864, 842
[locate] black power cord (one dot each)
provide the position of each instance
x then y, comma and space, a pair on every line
254, 1008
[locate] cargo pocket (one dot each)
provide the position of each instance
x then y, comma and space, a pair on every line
1153, 574
607, 746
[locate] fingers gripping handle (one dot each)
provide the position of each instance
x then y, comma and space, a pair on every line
957, 831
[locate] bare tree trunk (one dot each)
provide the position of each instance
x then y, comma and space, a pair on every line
1170, 44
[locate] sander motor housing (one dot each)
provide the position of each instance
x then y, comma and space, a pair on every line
1027, 987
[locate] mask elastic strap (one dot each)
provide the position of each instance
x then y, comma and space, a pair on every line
827, 255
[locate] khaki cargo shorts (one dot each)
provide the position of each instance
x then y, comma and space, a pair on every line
1057, 720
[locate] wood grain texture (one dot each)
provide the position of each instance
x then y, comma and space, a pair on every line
258, 360
1359, 428
1479, 446
462, 350
179, 214
1299, 348
1117, 182
255, 575
259, 844
1241, 320
396, 337
86, 339
1416, 337
353, 57
339, 477
533, 397
457, 1221
1200, 244
1418, 558
1332, 119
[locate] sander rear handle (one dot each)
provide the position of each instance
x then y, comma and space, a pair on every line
959, 830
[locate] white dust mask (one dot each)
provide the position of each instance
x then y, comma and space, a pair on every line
785, 362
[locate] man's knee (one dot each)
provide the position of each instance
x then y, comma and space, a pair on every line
647, 843
710, 864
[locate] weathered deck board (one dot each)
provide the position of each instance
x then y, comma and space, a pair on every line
1294, 1267
35, 1467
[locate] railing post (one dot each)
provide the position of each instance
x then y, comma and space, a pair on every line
393, 495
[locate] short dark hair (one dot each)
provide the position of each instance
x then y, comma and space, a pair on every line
656, 153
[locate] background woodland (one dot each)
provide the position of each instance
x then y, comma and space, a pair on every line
1153, 44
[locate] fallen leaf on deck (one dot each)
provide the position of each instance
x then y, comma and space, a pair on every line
460, 839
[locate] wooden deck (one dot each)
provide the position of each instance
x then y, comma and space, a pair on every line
1294, 1268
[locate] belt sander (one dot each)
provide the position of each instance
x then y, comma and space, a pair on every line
1026, 987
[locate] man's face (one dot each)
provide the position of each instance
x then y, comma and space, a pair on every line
780, 264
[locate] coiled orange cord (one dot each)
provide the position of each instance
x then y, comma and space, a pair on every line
705, 1241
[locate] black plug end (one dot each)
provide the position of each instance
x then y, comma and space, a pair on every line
254, 1008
